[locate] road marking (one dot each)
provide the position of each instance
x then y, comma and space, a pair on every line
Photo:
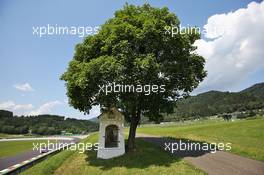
11, 168
4, 170
26, 161
16, 165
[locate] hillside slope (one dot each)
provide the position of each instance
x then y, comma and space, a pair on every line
216, 102
255, 90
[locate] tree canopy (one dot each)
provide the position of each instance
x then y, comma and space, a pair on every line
133, 48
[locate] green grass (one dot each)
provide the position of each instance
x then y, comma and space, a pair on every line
246, 136
148, 159
49, 165
4, 136
10, 148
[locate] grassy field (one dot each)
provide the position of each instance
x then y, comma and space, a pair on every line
148, 159
4, 136
10, 148
246, 136
49, 165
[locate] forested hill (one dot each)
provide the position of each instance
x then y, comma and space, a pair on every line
43, 124
255, 90
216, 102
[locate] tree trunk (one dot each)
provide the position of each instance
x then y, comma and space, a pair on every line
132, 131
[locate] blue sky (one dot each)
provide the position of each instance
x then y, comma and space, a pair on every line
31, 66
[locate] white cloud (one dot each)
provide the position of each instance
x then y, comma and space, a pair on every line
28, 109
45, 108
66, 101
23, 107
236, 51
94, 112
26, 87
16, 108
7, 105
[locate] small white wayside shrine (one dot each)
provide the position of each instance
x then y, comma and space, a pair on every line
111, 137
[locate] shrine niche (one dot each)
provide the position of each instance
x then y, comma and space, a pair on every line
111, 137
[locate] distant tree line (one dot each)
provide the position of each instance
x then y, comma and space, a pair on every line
43, 124
217, 103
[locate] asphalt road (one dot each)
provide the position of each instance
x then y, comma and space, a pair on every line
13, 160
9, 161
217, 163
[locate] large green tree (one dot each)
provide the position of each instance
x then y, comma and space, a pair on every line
133, 48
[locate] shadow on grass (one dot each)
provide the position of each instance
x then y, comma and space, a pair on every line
146, 154
182, 148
